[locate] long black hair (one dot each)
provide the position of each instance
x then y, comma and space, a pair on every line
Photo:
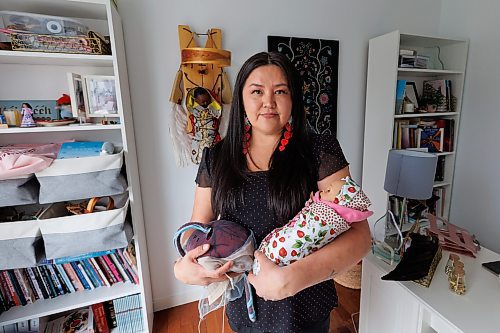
290, 173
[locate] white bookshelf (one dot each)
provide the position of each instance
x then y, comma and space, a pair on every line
42, 76
380, 117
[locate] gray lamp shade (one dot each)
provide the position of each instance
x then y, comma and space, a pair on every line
410, 174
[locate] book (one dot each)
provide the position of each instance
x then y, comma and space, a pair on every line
79, 321
10, 288
106, 270
69, 259
90, 273
24, 286
48, 282
55, 280
34, 325
80, 276
33, 284
102, 277
121, 269
85, 276
17, 287
113, 269
77, 284
41, 282
109, 309
400, 94
80, 149
63, 278
100, 321
23, 326
431, 138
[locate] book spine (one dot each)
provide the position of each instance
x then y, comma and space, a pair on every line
85, 276
53, 277
3, 304
112, 268
73, 277
80, 276
11, 288
65, 260
100, 318
46, 277
128, 268
64, 277
99, 271
34, 325
119, 267
41, 282
6, 291
17, 287
106, 270
24, 287
109, 309
33, 283
90, 273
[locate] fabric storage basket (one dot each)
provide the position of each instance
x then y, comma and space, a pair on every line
21, 244
21, 190
80, 178
79, 234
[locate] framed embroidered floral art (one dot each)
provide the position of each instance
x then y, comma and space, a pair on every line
317, 63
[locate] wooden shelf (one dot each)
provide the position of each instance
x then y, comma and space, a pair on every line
56, 59
42, 308
420, 115
427, 72
14, 130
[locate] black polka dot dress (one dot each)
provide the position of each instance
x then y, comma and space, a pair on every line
309, 306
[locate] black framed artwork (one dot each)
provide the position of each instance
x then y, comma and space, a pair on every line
317, 63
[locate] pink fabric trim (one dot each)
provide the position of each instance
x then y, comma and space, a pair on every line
349, 214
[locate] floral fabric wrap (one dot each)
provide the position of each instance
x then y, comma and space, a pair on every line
316, 225
228, 241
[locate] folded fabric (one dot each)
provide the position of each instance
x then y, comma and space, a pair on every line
25, 159
228, 241
317, 224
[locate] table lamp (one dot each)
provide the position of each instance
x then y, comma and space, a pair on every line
410, 175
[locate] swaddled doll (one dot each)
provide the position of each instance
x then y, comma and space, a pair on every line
326, 215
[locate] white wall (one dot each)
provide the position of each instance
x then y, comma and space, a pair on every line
153, 56
476, 189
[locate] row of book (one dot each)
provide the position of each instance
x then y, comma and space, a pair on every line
431, 135
27, 285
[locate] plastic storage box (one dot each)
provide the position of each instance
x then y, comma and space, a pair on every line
42, 24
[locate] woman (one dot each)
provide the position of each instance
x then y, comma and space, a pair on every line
260, 175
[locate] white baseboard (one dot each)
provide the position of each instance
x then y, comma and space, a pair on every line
175, 300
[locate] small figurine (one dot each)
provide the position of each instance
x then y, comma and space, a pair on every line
27, 113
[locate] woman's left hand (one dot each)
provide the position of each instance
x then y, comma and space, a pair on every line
272, 281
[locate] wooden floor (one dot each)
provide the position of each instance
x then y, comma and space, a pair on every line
184, 318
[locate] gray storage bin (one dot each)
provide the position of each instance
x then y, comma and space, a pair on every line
79, 234
81, 178
19, 191
21, 243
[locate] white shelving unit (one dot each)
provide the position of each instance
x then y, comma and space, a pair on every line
42, 76
380, 117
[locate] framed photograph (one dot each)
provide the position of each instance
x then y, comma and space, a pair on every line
100, 94
77, 96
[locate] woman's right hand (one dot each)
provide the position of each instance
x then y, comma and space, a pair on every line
188, 270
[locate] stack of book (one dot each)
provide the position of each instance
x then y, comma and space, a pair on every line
25, 326
66, 275
430, 135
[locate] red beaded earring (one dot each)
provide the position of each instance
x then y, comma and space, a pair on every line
287, 135
246, 136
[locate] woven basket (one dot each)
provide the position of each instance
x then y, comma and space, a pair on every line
351, 278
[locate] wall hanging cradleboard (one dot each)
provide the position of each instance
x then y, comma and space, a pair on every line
317, 62
200, 89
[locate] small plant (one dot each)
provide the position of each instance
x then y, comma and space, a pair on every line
431, 97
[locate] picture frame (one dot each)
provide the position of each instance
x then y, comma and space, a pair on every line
77, 95
411, 93
100, 96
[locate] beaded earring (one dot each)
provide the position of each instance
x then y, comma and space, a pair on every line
246, 136
287, 135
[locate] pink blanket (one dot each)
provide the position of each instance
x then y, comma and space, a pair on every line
25, 159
